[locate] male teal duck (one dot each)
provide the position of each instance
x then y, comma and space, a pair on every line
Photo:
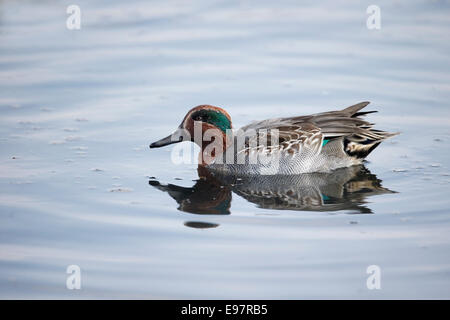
319, 142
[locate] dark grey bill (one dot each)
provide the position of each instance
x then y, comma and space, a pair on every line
166, 141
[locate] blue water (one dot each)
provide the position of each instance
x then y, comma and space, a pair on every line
80, 107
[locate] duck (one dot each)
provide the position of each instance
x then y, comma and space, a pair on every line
320, 142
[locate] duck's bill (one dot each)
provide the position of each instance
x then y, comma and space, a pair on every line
175, 137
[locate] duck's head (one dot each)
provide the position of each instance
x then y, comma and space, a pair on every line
205, 117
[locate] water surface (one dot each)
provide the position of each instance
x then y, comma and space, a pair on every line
79, 185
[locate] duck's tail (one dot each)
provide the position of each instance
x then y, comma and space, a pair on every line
364, 140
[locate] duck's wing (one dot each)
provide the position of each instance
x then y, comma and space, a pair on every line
281, 135
346, 122
311, 131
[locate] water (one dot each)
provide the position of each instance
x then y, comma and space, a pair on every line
79, 186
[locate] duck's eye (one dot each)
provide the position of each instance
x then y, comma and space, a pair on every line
200, 117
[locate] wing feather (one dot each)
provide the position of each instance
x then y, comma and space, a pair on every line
297, 133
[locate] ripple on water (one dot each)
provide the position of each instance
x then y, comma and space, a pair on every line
120, 189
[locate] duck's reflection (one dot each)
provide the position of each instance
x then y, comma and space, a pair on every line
344, 189
207, 196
